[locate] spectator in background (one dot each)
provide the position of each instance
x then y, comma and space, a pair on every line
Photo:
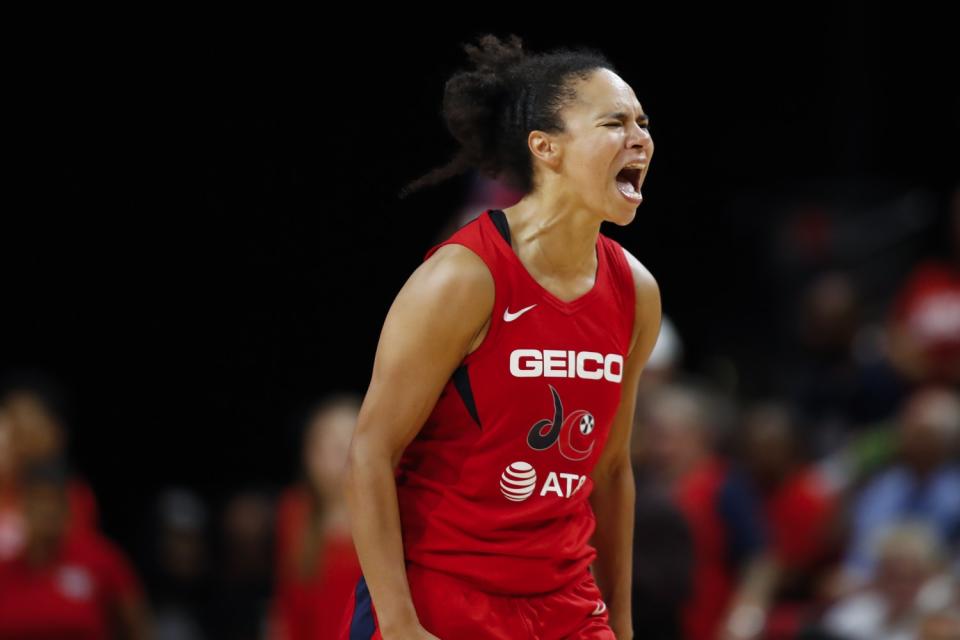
178, 576
910, 590
925, 316
924, 485
12, 532
65, 583
317, 566
245, 580
733, 573
33, 427
798, 511
840, 379
662, 576
662, 541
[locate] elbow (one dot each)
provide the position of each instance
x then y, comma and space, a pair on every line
363, 459
348, 475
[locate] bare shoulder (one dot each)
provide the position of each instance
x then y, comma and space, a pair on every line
455, 273
444, 303
648, 304
643, 280
425, 336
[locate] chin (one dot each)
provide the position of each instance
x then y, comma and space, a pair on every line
623, 216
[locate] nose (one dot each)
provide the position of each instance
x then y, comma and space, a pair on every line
640, 137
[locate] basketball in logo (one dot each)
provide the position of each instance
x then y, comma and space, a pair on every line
518, 481
586, 424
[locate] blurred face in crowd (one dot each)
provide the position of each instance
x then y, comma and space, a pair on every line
35, 433
830, 317
247, 527
326, 447
768, 447
929, 427
674, 438
903, 568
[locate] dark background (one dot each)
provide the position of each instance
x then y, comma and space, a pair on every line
202, 233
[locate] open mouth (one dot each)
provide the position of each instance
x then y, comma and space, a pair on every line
629, 177
628, 183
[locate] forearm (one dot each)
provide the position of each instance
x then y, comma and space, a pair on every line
613, 501
748, 607
371, 497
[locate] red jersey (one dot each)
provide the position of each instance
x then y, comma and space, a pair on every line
928, 307
799, 514
494, 488
307, 607
713, 579
69, 598
13, 535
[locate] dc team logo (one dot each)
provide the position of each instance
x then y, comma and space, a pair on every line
562, 431
586, 424
519, 480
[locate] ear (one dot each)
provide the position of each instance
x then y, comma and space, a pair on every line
546, 147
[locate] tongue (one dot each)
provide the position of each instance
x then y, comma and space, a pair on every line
626, 187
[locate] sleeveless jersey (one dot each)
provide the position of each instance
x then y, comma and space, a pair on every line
494, 487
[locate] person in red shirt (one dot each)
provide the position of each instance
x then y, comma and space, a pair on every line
798, 503
66, 584
489, 481
33, 427
798, 510
734, 571
924, 321
316, 563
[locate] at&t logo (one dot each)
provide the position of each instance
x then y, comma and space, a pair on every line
519, 481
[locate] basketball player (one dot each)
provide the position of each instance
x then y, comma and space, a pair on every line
490, 465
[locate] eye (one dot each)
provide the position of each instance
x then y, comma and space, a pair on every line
645, 125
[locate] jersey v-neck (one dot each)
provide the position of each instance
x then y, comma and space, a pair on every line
498, 219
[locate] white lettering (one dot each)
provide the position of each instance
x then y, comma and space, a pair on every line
570, 477
583, 372
608, 362
554, 363
580, 484
552, 485
532, 368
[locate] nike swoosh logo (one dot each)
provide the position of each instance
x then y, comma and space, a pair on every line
510, 317
601, 607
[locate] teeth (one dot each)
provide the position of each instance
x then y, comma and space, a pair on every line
635, 165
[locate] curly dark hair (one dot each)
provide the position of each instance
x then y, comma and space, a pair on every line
491, 108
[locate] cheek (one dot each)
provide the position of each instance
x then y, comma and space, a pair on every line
593, 173
592, 159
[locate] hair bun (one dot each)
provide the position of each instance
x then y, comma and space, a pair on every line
494, 55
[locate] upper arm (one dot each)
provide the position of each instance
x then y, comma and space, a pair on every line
646, 329
426, 334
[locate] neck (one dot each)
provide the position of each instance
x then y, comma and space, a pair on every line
554, 237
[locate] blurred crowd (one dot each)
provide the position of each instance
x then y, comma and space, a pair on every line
830, 510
